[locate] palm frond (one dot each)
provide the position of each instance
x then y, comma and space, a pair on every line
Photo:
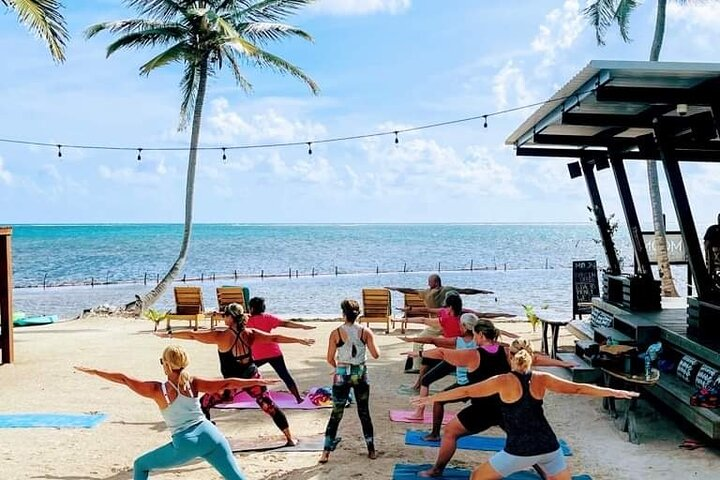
242, 46
273, 62
133, 25
264, 32
145, 38
268, 10
179, 52
600, 14
43, 18
232, 58
622, 17
158, 9
188, 89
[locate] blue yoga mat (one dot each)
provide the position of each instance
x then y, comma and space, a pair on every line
471, 442
409, 472
50, 420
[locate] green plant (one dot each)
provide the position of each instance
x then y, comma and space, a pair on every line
155, 316
613, 226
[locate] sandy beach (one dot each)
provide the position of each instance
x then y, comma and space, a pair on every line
43, 380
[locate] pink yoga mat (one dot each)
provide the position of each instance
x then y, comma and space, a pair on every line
284, 400
404, 417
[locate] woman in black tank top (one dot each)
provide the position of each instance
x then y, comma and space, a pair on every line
530, 439
235, 356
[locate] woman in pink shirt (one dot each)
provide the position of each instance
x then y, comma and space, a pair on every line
269, 352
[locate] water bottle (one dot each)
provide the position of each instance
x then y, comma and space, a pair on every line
648, 366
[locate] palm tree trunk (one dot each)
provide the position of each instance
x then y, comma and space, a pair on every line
667, 285
153, 295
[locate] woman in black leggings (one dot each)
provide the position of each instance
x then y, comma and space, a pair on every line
269, 352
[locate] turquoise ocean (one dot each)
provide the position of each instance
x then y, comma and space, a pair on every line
84, 266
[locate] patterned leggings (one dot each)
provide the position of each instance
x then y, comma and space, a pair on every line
354, 377
259, 393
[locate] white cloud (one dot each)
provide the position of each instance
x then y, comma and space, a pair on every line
561, 28
227, 126
699, 20
510, 88
5, 176
361, 7
316, 169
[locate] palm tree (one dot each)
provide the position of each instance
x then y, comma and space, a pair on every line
204, 36
44, 19
602, 14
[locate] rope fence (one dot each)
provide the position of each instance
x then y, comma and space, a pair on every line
150, 278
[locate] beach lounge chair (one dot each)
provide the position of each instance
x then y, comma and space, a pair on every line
413, 306
376, 307
188, 306
228, 295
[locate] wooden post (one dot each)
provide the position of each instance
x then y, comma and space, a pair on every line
262, 273
336, 270
313, 271
145, 279
236, 275
6, 299
405, 267
44, 280
297, 273
471, 264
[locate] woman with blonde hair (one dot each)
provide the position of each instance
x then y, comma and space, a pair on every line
193, 435
234, 346
530, 439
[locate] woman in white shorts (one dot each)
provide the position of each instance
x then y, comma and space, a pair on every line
530, 439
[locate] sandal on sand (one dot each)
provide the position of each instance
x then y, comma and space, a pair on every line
690, 444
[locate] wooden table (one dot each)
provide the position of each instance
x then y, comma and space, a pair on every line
624, 381
554, 326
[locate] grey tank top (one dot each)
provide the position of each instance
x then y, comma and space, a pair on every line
183, 412
353, 350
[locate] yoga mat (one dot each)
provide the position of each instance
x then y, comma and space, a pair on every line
404, 416
409, 472
305, 444
284, 400
471, 442
50, 420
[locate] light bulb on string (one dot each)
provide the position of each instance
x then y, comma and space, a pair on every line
397, 140
309, 144
59, 151
139, 157
224, 156
484, 121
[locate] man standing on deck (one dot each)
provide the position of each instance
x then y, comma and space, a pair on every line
434, 297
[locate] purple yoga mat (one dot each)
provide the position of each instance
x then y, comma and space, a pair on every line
284, 400
404, 417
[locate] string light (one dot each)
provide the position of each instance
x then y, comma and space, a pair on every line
224, 157
139, 157
484, 118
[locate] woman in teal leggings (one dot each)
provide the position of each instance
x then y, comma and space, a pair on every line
193, 435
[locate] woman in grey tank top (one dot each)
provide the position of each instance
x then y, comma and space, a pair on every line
347, 353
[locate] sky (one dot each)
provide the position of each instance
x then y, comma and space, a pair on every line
381, 65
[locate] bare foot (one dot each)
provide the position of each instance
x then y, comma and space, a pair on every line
431, 438
433, 472
324, 457
372, 454
298, 399
291, 442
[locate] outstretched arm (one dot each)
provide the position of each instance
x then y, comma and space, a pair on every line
559, 385
437, 341
489, 387
212, 385
542, 360
211, 337
430, 322
142, 388
471, 291
458, 358
403, 289
265, 338
291, 324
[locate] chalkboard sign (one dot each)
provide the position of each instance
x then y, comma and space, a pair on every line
585, 286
